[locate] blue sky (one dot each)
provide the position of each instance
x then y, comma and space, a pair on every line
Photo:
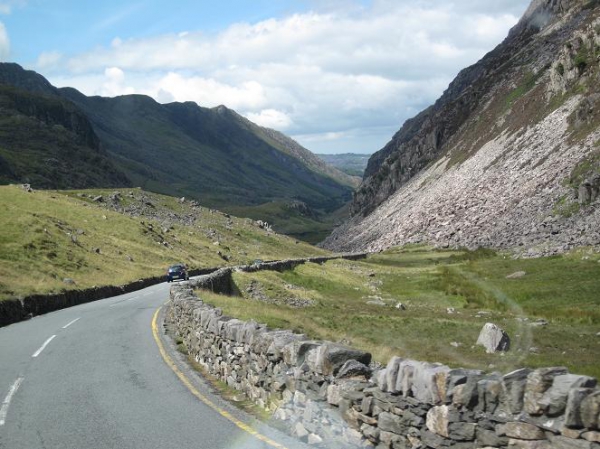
337, 75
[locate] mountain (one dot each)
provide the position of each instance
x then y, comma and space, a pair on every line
352, 164
213, 155
507, 157
47, 141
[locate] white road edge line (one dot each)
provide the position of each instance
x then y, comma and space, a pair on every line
67, 325
6, 402
39, 351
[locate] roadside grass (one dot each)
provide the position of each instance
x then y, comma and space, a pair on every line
49, 236
562, 290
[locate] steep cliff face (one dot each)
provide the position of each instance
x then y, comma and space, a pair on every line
507, 156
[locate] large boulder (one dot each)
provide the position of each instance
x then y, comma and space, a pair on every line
493, 338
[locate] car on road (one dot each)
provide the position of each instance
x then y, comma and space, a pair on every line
177, 271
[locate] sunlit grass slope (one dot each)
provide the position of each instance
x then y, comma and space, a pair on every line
355, 302
47, 237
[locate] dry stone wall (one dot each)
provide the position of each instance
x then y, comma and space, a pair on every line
331, 396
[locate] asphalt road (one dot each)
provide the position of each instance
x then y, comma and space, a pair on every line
92, 376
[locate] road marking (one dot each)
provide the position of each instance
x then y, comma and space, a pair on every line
67, 325
39, 351
200, 396
131, 299
6, 402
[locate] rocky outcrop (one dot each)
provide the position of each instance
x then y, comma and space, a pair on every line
506, 158
327, 395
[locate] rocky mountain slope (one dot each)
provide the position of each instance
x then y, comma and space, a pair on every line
213, 155
508, 157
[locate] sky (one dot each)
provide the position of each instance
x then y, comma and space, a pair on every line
336, 75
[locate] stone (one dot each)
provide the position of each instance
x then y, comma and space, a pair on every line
438, 420
330, 357
514, 386
300, 431
391, 374
531, 444
68, 281
352, 369
404, 379
370, 432
538, 382
592, 436
400, 306
429, 382
493, 338
562, 442
98, 199
314, 439
389, 422
462, 431
554, 400
489, 438
522, 431
516, 275
590, 411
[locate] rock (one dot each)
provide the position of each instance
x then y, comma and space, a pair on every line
526, 444
516, 275
69, 281
514, 385
493, 338
590, 411
98, 199
591, 436
438, 420
353, 368
389, 422
97, 250
554, 400
376, 302
573, 418
300, 431
314, 439
538, 382
400, 306
450, 310
540, 322
182, 199
522, 431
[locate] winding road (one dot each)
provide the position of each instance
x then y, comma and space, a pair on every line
103, 375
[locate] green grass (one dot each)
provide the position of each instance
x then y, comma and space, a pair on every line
37, 250
562, 290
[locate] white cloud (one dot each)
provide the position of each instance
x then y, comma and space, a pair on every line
337, 69
4, 43
271, 118
48, 60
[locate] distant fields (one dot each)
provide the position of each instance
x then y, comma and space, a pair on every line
564, 291
56, 240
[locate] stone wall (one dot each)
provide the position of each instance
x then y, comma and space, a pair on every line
332, 397
220, 280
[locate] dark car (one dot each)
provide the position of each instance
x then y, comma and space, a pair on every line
177, 271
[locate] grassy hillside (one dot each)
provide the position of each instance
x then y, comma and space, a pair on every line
356, 303
48, 238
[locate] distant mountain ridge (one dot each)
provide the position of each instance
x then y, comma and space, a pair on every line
214, 155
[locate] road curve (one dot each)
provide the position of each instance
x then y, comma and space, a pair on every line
92, 376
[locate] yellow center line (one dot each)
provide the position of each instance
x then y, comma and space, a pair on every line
169, 361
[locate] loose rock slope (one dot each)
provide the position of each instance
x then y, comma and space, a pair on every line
509, 160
